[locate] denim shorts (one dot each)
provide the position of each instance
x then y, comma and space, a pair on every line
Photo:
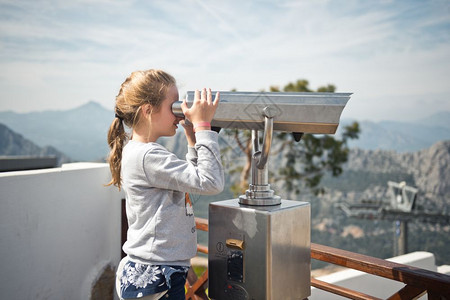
138, 280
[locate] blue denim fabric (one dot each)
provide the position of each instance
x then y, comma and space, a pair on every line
176, 291
140, 280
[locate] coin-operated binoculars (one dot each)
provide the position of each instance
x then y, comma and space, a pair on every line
259, 244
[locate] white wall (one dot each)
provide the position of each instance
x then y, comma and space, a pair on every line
370, 284
58, 229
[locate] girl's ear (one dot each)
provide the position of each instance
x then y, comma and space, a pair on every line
146, 110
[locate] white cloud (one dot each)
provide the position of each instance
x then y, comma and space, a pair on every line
380, 51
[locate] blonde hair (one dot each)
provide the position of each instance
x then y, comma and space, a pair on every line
140, 88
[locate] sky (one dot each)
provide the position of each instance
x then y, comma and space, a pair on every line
394, 56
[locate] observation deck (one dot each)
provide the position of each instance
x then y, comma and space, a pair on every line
61, 239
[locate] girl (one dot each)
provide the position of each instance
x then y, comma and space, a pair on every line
161, 237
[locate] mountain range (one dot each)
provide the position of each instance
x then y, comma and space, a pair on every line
80, 133
14, 144
365, 180
401, 136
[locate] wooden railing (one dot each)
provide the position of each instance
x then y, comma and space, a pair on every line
418, 281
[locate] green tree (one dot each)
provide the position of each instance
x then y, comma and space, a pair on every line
304, 162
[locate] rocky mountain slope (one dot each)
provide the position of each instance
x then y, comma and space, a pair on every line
429, 168
80, 132
365, 179
13, 144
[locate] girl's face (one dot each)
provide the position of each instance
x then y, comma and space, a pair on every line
164, 122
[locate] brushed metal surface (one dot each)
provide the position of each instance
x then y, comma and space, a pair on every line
291, 112
276, 250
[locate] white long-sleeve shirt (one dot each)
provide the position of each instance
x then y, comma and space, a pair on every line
161, 225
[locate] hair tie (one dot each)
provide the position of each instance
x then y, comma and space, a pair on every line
118, 117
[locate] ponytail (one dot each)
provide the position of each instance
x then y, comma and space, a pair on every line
116, 141
141, 87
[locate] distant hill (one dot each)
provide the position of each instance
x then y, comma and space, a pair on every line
79, 132
13, 144
427, 169
402, 136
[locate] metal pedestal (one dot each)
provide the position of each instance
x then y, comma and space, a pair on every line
259, 252
259, 244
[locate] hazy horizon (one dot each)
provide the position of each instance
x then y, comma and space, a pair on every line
112, 114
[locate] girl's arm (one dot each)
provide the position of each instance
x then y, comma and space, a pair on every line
189, 132
191, 155
164, 170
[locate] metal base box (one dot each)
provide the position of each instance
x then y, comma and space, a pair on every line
259, 252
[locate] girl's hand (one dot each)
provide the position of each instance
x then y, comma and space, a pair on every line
203, 108
189, 132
